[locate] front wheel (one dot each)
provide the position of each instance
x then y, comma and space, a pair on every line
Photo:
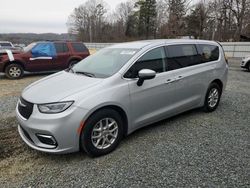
102, 132
14, 71
212, 97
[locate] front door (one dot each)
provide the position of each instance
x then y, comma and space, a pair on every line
155, 99
40, 64
41, 57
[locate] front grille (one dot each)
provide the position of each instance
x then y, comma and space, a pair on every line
25, 108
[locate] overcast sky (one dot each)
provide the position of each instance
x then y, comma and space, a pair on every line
38, 16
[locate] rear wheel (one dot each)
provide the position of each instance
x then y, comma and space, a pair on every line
14, 71
102, 132
212, 97
248, 66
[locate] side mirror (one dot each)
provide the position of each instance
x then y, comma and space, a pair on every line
145, 74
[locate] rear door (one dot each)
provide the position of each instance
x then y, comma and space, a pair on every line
61, 61
192, 74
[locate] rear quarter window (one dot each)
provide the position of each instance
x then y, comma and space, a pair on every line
61, 47
209, 52
79, 47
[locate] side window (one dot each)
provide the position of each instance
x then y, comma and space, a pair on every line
5, 44
61, 47
43, 49
180, 56
79, 47
209, 52
154, 60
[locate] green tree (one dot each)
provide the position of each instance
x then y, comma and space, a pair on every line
196, 21
132, 25
147, 18
177, 10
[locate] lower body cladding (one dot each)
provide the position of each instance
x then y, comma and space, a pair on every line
52, 133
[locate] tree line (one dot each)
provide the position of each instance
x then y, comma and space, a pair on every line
220, 20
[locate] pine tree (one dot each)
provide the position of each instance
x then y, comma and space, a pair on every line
147, 18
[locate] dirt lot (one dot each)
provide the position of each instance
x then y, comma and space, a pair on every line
194, 149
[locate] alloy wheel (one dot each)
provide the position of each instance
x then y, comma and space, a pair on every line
213, 97
104, 133
15, 72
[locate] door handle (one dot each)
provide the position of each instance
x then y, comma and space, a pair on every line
169, 81
179, 78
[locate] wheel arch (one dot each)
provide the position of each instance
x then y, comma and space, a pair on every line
121, 112
14, 62
74, 58
219, 82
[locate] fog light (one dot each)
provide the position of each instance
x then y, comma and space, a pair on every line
47, 139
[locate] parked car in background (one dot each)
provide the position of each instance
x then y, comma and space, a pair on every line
42, 56
118, 90
245, 64
6, 45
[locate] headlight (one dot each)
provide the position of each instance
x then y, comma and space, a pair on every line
53, 108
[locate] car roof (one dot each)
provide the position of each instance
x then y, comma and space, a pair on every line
5, 42
58, 41
144, 43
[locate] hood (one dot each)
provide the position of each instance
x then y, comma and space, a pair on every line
56, 87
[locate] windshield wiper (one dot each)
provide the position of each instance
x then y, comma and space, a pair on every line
85, 73
70, 70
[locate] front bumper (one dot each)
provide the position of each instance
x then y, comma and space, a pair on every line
62, 127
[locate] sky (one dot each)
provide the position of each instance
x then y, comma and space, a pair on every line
39, 16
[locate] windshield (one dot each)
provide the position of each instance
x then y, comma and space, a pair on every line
105, 62
29, 47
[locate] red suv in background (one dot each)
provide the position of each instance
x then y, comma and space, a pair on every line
42, 56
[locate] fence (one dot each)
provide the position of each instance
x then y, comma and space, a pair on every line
236, 49
232, 49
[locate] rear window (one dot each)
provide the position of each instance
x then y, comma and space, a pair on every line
209, 52
79, 47
61, 47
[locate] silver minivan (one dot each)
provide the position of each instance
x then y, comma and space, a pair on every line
118, 90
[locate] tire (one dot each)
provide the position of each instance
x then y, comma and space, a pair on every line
14, 71
248, 66
212, 99
96, 140
72, 63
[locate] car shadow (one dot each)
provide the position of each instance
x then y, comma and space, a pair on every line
141, 131
163, 122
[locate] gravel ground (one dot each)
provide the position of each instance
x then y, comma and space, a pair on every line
194, 149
